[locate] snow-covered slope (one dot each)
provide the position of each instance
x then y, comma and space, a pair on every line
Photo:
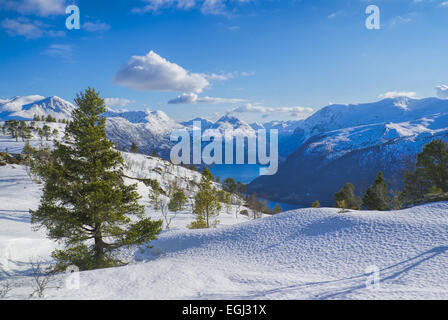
301, 254
140, 167
20, 244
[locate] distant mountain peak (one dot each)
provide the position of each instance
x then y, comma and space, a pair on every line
25, 107
229, 119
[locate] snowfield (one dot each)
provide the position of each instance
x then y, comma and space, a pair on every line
300, 254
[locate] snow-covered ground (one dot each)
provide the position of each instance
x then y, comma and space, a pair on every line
301, 254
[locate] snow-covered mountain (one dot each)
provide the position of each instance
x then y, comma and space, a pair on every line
335, 139
149, 129
283, 127
223, 124
348, 143
131, 116
391, 110
235, 125
152, 134
157, 121
205, 123
24, 108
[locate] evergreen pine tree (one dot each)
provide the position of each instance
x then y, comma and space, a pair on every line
28, 152
12, 126
177, 200
256, 205
433, 161
415, 186
134, 148
155, 195
50, 119
342, 205
347, 193
241, 188
229, 185
40, 133
376, 197
277, 208
85, 203
46, 130
24, 131
206, 172
206, 205
55, 133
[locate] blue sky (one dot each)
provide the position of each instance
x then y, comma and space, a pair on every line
259, 60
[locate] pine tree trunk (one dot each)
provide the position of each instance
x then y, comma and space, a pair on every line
98, 247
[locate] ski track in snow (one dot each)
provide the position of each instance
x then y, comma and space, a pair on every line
300, 254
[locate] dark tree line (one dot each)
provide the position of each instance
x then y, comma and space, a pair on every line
428, 182
24, 130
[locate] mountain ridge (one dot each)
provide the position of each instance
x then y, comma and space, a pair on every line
350, 148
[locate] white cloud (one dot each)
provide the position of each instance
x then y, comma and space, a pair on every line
442, 92
214, 76
62, 51
395, 94
30, 29
444, 4
156, 5
154, 73
41, 8
117, 102
207, 7
247, 74
298, 112
22, 27
95, 26
227, 76
407, 18
192, 98
213, 7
